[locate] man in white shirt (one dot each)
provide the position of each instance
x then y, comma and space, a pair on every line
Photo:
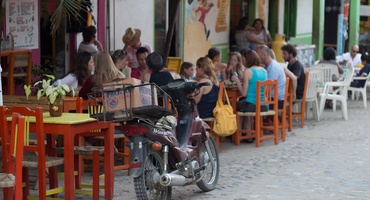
352, 58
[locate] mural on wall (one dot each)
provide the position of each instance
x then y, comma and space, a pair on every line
22, 23
206, 24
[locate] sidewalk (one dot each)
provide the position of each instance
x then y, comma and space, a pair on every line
324, 160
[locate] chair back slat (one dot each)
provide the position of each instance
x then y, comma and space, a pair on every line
269, 97
311, 87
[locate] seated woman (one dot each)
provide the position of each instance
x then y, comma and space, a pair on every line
120, 59
248, 87
207, 97
81, 70
330, 58
187, 71
215, 55
234, 68
105, 71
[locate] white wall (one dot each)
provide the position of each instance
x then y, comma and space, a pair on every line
131, 13
304, 16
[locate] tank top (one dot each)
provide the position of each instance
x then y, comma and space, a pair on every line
257, 75
208, 102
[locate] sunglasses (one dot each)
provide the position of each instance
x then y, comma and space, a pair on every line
354, 51
121, 53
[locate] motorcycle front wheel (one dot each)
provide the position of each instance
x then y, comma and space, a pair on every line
147, 186
211, 172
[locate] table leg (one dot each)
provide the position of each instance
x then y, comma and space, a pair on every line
68, 165
109, 162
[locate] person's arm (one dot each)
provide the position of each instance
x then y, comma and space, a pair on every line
86, 88
293, 80
224, 74
340, 69
98, 45
198, 95
243, 87
251, 38
269, 39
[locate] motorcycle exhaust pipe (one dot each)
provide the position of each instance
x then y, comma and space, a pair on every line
172, 180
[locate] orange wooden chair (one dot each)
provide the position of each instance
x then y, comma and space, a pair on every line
37, 157
95, 153
257, 131
13, 158
302, 108
289, 108
124, 151
282, 124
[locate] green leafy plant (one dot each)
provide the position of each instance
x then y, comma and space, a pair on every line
48, 90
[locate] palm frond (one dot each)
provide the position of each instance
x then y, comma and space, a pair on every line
68, 9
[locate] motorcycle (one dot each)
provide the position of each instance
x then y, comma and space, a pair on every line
166, 152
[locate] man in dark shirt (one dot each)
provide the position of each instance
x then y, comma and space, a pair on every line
289, 55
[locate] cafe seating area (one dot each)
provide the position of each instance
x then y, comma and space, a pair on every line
75, 125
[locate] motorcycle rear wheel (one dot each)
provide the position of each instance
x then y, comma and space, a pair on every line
210, 179
147, 186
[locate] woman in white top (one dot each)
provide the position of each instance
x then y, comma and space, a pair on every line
261, 34
79, 72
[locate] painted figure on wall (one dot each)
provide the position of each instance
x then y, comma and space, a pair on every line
203, 8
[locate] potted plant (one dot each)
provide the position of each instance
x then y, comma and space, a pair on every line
54, 94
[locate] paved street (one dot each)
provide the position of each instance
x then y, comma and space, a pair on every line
324, 160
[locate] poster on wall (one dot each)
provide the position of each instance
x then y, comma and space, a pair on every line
22, 23
206, 25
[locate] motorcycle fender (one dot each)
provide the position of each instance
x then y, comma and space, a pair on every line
138, 151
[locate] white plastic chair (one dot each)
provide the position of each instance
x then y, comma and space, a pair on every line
311, 94
356, 91
328, 71
340, 93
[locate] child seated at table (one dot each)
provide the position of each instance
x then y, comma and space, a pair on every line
365, 59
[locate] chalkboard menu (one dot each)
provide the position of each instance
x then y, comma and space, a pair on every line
22, 22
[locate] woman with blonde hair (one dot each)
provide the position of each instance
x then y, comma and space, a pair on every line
105, 71
120, 59
207, 97
234, 67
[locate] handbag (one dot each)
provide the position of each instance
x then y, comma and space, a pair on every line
225, 119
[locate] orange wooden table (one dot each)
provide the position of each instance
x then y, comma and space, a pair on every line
233, 94
69, 125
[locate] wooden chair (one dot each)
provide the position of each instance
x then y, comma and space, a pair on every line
267, 99
282, 112
20, 65
95, 153
289, 107
301, 111
11, 177
124, 151
37, 157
